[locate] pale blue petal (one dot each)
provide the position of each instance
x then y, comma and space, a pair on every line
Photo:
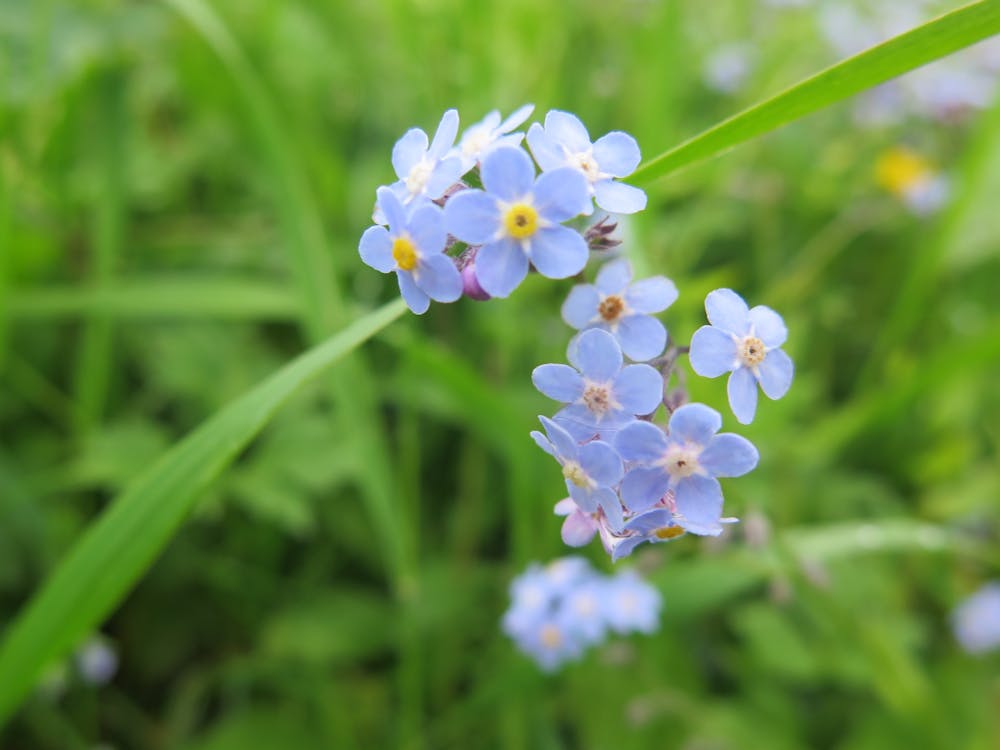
504, 141
392, 208
729, 455
699, 502
472, 216
438, 277
768, 326
713, 352
626, 547
651, 295
501, 267
559, 382
408, 151
650, 521
565, 507
376, 249
641, 441
596, 354
580, 307
775, 373
583, 497
612, 507
727, 310
558, 252
564, 443
601, 463
578, 421
614, 276
508, 173
516, 118
444, 138
742, 391
617, 154
427, 229
561, 194
639, 389
694, 423
544, 443
642, 338
546, 151
642, 488
619, 198
578, 529
446, 173
414, 296
566, 129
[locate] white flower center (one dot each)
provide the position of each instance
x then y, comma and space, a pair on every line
598, 399
752, 351
416, 180
682, 460
588, 165
476, 140
585, 605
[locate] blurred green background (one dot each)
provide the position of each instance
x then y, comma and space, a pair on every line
179, 215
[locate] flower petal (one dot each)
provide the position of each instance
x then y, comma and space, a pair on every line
472, 216
563, 442
601, 463
561, 194
508, 173
694, 423
639, 389
768, 326
559, 382
643, 442
608, 501
438, 277
742, 390
444, 138
500, 267
578, 421
729, 455
564, 507
651, 295
544, 443
408, 151
641, 337
614, 276
580, 307
619, 198
643, 487
516, 118
567, 130
617, 153
713, 352
426, 227
392, 209
699, 503
415, 297
727, 310
376, 249
446, 173
578, 529
558, 252
596, 354
775, 373
544, 148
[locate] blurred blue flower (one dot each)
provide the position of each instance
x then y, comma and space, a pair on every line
490, 133
687, 461
976, 620
413, 247
426, 172
565, 142
96, 661
518, 219
746, 343
631, 604
623, 309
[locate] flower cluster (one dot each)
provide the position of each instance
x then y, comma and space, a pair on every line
560, 610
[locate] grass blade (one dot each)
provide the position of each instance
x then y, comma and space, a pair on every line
937, 38
117, 548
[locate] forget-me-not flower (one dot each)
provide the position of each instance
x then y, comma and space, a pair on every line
745, 342
687, 461
413, 247
976, 620
565, 142
600, 394
425, 172
490, 133
623, 309
631, 604
518, 219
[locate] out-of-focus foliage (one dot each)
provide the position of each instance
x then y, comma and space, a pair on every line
165, 244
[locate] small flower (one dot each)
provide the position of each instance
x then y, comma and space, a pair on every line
656, 525
727, 68
747, 344
426, 172
687, 461
602, 396
413, 247
976, 620
97, 661
517, 219
590, 470
623, 309
631, 604
912, 179
565, 142
488, 134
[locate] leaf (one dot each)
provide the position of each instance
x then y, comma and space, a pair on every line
938, 38
118, 547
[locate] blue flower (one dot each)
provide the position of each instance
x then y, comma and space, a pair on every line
623, 309
631, 604
602, 396
517, 219
976, 620
590, 470
565, 142
426, 172
747, 344
656, 525
488, 134
413, 247
687, 461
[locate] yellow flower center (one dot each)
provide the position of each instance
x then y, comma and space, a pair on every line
752, 351
404, 253
521, 220
550, 636
575, 473
898, 170
611, 308
668, 532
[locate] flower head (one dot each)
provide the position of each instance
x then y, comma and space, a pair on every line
632, 604
425, 172
746, 343
489, 133
686, 460
976, 620
517, 220
565, 142
413, 247
623, 309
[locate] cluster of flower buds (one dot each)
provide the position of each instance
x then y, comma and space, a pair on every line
560, 610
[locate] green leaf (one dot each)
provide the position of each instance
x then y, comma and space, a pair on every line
938, 38
124, 541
